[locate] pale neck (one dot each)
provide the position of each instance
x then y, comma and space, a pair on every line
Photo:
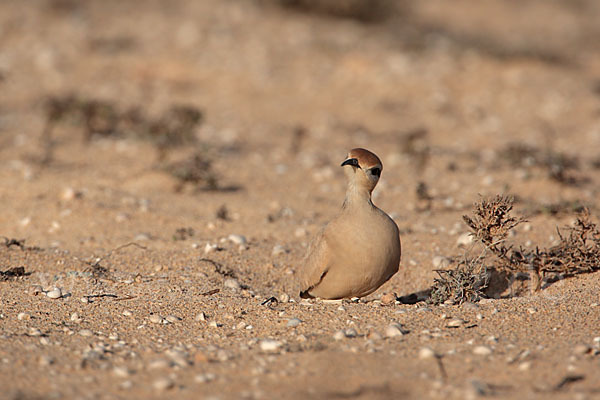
357, 196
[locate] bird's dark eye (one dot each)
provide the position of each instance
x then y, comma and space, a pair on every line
376, 171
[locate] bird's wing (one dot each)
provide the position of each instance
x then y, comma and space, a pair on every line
316, 264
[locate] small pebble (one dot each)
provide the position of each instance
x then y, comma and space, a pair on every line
440, 262
23, 316
455, 323
581, 349
531, 310
55, 293
86, 333
482, 351
237, 239
127, 313
269, 345
284, 298
163, 384
84, 300
214, 324
121, 372
200, 317
75, 318
339, 335
232, 284
44, 361
203, 378
293, 322
279, 250
393, 330
155, 319
172, 319
210, 247
34, 332
464, 240
525, 366
426, 353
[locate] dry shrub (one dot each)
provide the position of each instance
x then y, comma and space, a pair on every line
466, 282
578, 252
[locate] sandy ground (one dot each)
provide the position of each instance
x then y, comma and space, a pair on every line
284, 92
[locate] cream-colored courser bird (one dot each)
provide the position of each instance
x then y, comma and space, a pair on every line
359, 250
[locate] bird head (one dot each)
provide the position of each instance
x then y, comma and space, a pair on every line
363, 168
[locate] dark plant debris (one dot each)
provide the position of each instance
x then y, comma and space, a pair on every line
196, 170
175, 127
20, 243
13, 273
183, 233
465, 283
558, 166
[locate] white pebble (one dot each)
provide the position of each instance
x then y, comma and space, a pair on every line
210, 247
455, 323
232, 284
426, 353
278, 250
23, 316
44, 361
339, 335
293, 322
203, 378
393, 330
464, 240
34, 332
525, 366
200, 317
163, 384
155, 319
237, 239
86, 333
75, 317
284, 298
214, 324
127, 313
121, 372
55, 293
440, 262
482, 351
269, 345
300, 232
172, 318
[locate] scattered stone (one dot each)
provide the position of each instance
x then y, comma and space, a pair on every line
84, 300
55, 293
75, 318
163, 384
525, 366
127, 313
531, 310
464, 240
426, 353
203, 378
210, 247
44, 341
86, 333
155, 319
200, 317
232, 284
374, 335
270, 346
350, 333
300, 232
482, 351
23, 316
121, 372
469, 306
455, 323
293, 322
34, 332
237, 239
581, 349
45, 361
393, 330
278, 250
339, 335
440, 262
172, 319
158, 364
284, 298
214, 324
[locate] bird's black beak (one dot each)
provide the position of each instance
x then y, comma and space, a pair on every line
351, 161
